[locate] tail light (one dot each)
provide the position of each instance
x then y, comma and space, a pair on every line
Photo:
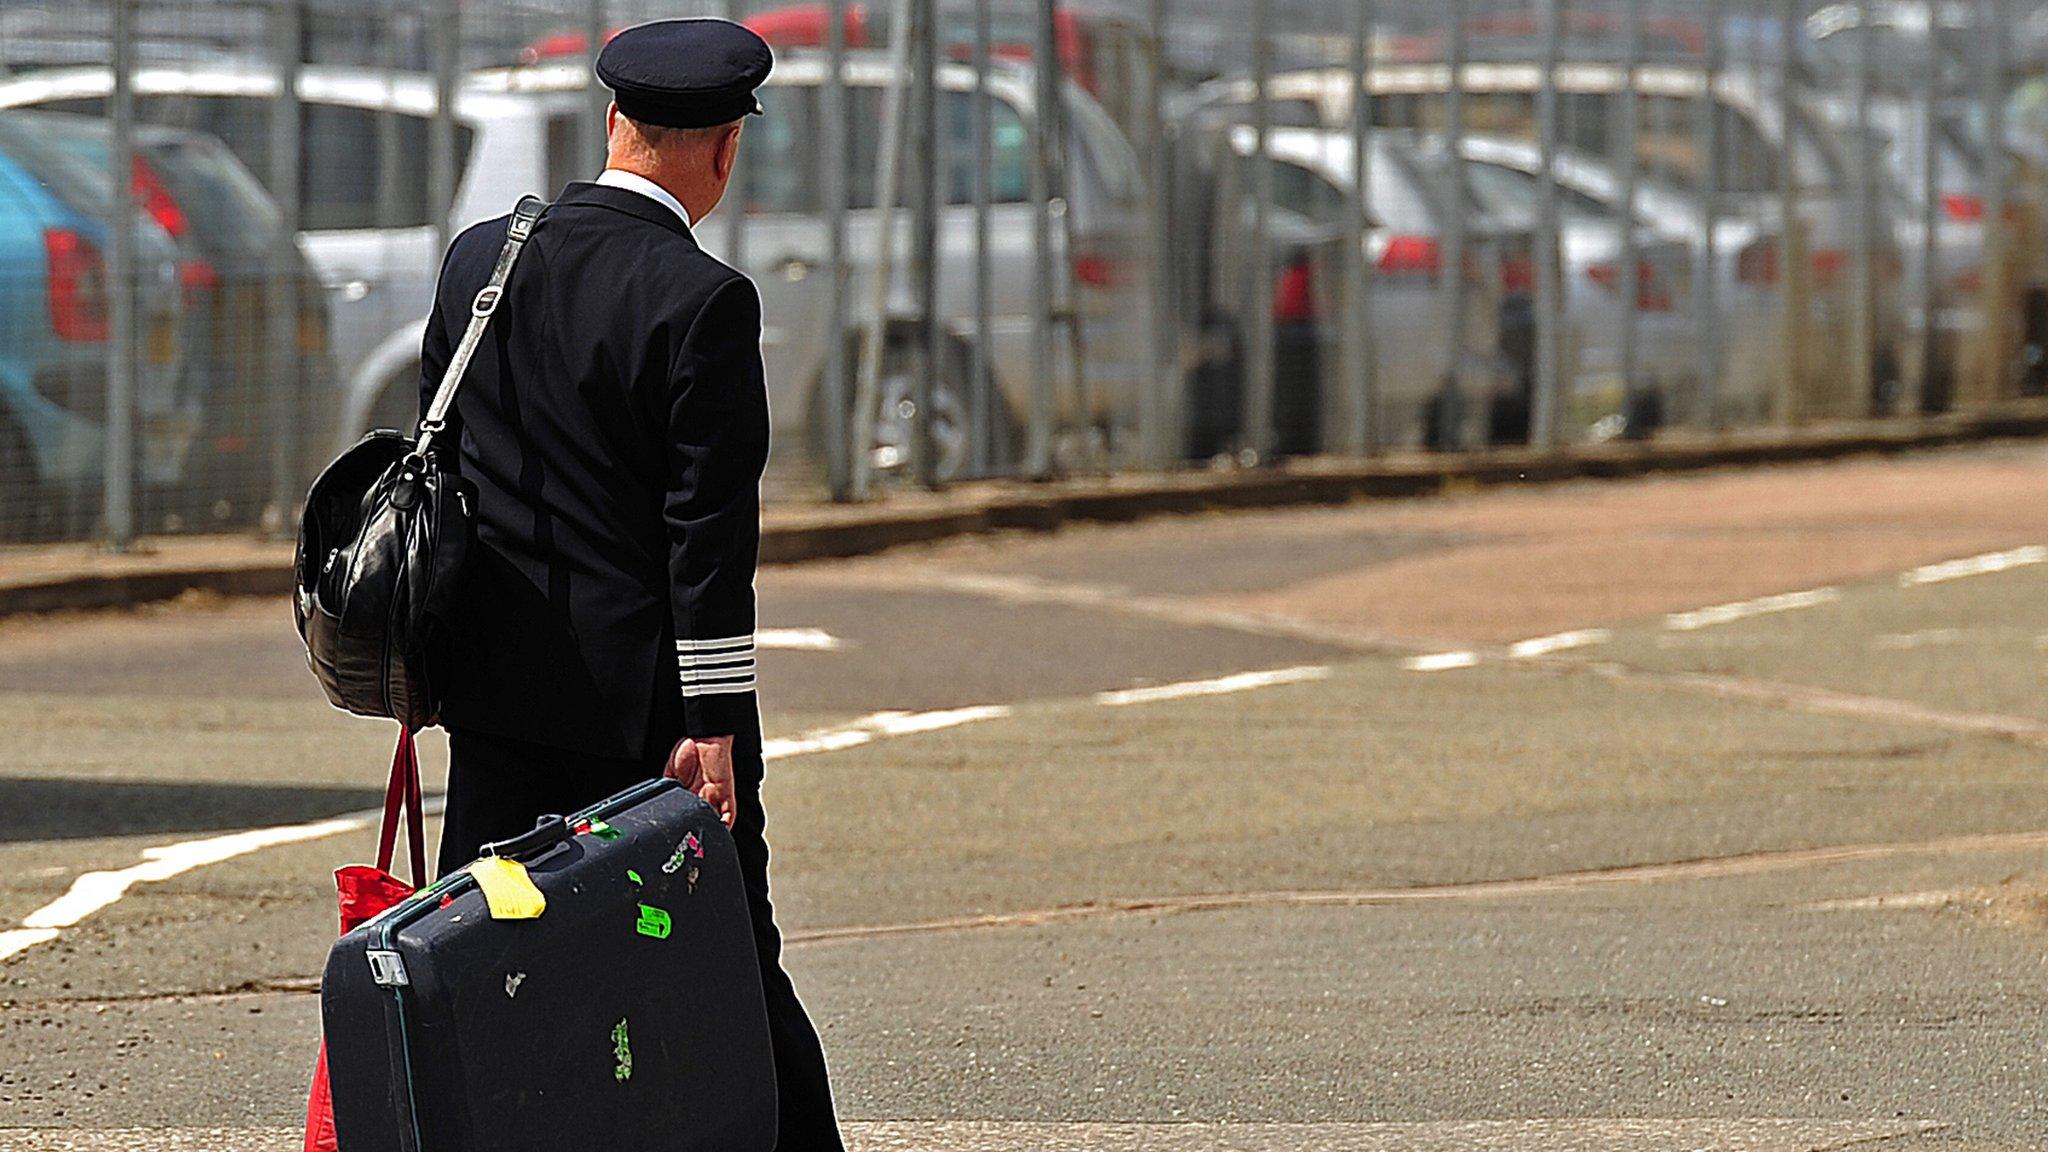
1651, 294
1412, 254
197, 275
1828, 266
77, 287
152, 197
1294, 297
1962, 208
1757, 264
1518, 273
1095, 270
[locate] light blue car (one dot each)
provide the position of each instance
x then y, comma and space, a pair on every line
54, 321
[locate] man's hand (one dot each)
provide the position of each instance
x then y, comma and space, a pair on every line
704, 766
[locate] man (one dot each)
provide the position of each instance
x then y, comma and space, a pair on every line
615, 422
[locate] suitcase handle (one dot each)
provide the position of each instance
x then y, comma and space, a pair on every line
550, 831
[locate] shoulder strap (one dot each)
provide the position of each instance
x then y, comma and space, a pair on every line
523, 218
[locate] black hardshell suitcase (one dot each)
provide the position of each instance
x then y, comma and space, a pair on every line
628, 1015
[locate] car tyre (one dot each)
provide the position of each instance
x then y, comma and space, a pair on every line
21, 510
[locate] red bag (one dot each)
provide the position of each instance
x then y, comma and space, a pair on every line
365, 892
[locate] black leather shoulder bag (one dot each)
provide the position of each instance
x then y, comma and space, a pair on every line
383, 539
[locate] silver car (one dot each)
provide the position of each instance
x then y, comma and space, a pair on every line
1504, 173
1757, 127
1406, 231
782, 242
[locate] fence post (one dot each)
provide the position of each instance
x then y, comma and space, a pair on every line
927, 144
1361, 351
1258, 438
281, 304
742, 178
1550, 352
1792, 278
1039, 439
1159, 445
1925, 396
441, 174
1999, 285
836, 123
595, 139
888, 187
1452, 418
1635, 404
1706, 281
123, 353
1863, 397
981, 383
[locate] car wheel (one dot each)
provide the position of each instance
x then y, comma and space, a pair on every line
397, 406
20, 502
896, 420
896, 415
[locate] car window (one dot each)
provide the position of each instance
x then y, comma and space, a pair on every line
341, 167
779, 153
1588, 122
75, 181
213, 188
1513, 191
1009, 142
1299, 190
1009, 145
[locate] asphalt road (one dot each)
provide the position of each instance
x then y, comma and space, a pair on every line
1060, 876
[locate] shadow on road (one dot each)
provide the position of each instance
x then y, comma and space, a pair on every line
63, 808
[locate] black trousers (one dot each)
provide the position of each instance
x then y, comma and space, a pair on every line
497, 788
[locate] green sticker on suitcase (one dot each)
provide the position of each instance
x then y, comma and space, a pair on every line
654, 922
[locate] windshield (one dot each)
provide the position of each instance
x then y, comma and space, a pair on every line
69, 177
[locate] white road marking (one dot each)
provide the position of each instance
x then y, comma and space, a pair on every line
1925, 638
1563, 641
94, 892
869, 728
1744, 609
1974, 566
1242, 682
1933, 901
798, 640
1606, 1134
1440, 661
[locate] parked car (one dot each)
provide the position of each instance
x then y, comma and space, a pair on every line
1426, 395
776, 203
367, 227
521, 130
54, 327
1757, 125
225, 226
1505, 173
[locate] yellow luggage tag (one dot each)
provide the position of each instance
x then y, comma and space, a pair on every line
508, 889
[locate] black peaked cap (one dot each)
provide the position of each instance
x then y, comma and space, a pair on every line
686, 73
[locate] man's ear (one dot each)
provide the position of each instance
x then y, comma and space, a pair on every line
728, 152
611, 119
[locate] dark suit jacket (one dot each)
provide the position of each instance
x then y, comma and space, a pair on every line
615, 421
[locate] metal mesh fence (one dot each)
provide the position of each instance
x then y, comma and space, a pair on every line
1137, 234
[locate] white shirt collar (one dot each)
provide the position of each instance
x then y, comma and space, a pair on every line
634, 182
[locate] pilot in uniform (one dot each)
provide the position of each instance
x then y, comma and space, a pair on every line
615, 422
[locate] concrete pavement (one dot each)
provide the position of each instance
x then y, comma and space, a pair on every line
1596, 899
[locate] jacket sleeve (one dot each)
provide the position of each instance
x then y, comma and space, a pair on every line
718, 448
